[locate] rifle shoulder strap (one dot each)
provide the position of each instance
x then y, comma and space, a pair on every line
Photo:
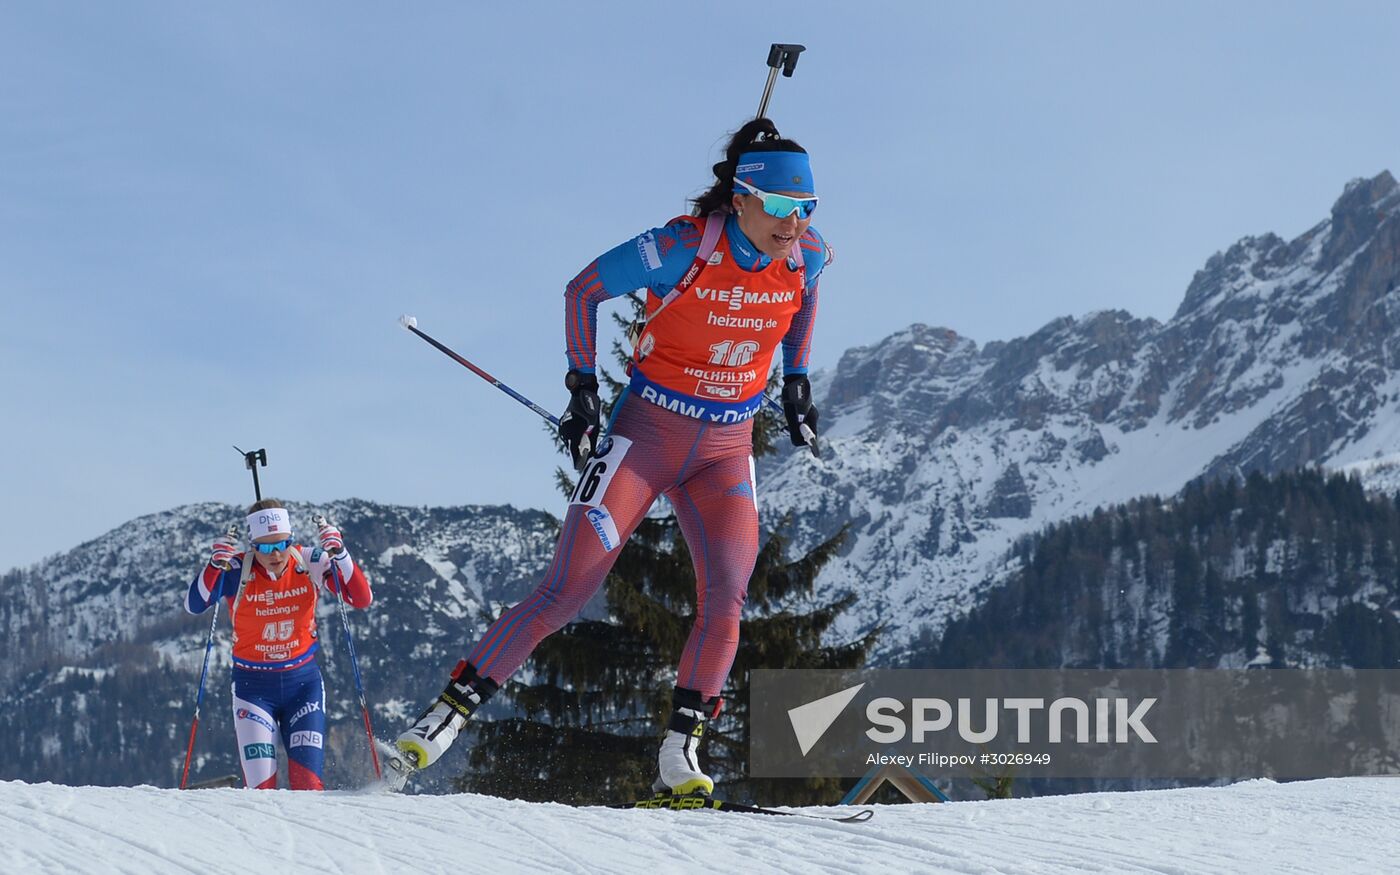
709, 242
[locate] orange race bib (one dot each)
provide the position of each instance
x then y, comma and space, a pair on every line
708, 353
274, 621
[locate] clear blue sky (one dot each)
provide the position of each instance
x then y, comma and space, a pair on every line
211, 216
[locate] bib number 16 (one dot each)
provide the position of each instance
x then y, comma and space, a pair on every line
589, 481
733, 354
597, 474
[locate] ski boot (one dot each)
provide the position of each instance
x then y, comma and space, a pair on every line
437, 727
677, 762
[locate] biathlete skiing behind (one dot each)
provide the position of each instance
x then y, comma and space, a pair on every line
272, 592
725, 286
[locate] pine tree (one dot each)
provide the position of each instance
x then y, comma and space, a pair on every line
590, 714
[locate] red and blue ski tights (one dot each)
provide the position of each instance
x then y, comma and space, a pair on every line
705, 469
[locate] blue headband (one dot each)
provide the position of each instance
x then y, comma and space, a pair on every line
775, 171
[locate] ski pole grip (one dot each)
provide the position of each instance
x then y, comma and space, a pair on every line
586, 446
233, 532
785, 54
320, 522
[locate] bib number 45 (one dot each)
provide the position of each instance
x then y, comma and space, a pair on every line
278, 630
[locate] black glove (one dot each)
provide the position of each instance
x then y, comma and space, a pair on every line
579, 424
799, 410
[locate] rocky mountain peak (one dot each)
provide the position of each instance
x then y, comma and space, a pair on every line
1363, 206
1245, 262
864, 370
1358, 214
1362, 194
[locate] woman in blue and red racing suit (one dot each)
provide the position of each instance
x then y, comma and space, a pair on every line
725, 288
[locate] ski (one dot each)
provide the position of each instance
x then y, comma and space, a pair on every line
698, 801
397, 768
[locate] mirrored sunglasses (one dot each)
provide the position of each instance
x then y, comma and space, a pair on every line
275, 546
781, 206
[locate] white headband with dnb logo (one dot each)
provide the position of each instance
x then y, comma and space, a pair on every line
272, 521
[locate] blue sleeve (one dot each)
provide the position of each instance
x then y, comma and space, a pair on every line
210, 585
655, 260
816, 254
797, 343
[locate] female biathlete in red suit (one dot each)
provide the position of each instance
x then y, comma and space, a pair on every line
683, 429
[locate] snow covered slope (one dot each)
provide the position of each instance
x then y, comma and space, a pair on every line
1336, 826
1282, 354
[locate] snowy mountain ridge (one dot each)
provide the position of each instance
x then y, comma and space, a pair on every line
942, 454
448, 561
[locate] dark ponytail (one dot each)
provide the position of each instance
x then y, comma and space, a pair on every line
759, 135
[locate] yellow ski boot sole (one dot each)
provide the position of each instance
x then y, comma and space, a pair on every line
412, 752
695, 785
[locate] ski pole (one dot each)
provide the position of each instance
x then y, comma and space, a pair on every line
411, 323
203, 674
199, 697
782, 55
320, 521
